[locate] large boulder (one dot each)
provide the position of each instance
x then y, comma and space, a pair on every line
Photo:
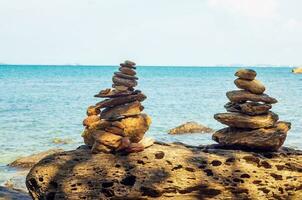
270, 139
239, 120
168, 172
190, 127
297, 70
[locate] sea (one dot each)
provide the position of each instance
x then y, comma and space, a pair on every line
40, 104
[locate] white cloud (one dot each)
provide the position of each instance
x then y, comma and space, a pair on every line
251, 8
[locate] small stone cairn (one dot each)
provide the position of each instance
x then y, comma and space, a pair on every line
251, 123
116, 123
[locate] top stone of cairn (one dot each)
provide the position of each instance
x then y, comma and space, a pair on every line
247, 74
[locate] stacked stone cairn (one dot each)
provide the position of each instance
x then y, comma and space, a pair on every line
251, 123
116, 123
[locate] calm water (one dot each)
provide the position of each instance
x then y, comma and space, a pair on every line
40, 103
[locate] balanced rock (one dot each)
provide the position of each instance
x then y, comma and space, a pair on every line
249, 108
247, 74
253, 86
251, 124
260, 139
116, 123
246, 121
242, 96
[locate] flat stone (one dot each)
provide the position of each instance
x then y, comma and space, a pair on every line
239, 96
247, 74
167, 171
125, 82
121, 87
121, 100
253, 86
115, 130
127, 65
190, 127
91, 119
270, 139
93, 110
239, 120
249, 108
29, 161
121, 75
112, 93
129, 62
128, 71
129, 109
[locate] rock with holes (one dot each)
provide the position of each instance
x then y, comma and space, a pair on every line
190, 127
117, 123
168, 171
251, 124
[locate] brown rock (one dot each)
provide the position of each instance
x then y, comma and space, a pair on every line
91, 119
129, 66
249, 108
101, 124
121, 88
136, 126
115, 130
297, 70
93, 110
238, 96
260, 139
121, 75
29, 161
88, 137
247, 74
135, 147
108, 139
128, 71
129, 63
100, 148
125, 82
128, 109
112, 93
246, 121
253, 86
168, 171
121, 100
125, 143
190, 127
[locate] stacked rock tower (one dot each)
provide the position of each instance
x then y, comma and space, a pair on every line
116, 123
251, 123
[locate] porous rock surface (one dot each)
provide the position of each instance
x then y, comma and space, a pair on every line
190, 127
168, 171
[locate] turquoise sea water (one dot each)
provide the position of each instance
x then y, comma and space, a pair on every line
40, 103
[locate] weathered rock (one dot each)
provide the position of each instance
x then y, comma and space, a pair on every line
297, 70
128, 71
125, 82
253, 86
11, 194
128, 64
190, 127
239, 120
112, 93
238, 96
260, 139
29, 161
121, 100
129, 109
135, 127
168, 172
93, 110
249, 108
91, 119
108, 139
121, 75
247, 74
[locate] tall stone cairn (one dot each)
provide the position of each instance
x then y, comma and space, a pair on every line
116, 123
251, 124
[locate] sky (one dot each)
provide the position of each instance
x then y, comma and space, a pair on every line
151, 32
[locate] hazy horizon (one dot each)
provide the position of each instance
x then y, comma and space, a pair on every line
152, 33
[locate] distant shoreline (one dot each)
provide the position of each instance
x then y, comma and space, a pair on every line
178, 66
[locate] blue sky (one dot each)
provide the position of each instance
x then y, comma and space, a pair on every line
153, 32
